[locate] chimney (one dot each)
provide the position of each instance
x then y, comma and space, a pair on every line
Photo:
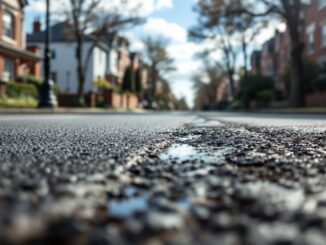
36, 25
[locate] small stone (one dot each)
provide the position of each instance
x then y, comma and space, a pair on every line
163, 221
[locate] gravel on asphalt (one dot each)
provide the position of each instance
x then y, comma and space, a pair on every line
66, 182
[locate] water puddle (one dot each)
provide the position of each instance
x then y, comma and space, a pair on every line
132, 203
204, 123
135, 203
123, 209
189, 138
185, 152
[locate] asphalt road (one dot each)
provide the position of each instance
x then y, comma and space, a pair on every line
177, 178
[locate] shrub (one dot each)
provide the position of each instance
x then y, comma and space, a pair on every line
30, 80
18, 102
265, 97
103, 84
251, 87
312, 72
21, 90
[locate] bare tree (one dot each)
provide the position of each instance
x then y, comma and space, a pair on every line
224, 35
84, 15
160, 62
206, 83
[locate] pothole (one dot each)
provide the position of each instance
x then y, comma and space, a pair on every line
185, 152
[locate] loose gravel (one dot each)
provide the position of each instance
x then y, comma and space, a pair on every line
230, 184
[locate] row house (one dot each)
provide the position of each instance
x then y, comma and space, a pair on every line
106, 56
274, 57
63, 62
315, 28
15, 59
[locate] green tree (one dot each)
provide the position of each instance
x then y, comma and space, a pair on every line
252, 88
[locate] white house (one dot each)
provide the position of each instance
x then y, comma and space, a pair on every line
103, 60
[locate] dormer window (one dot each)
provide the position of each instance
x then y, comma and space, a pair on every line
8, 25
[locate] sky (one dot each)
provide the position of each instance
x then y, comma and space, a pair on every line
169, 19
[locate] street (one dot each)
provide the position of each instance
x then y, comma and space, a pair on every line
163, 178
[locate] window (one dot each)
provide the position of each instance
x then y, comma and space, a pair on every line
53, 54
310, 42
323, 31
8, 71
311, 38
54, 77
8, 25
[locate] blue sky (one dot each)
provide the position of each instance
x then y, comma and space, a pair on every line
181, 13
166, 18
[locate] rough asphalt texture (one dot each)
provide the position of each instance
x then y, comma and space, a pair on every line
114, 180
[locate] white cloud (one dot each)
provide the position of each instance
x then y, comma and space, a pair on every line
179, 48
137, 7
163, 4
163, 28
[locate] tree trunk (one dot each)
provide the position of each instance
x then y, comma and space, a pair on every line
292, 13
245, 59
231, 80
153, 86
297, 90
80, 69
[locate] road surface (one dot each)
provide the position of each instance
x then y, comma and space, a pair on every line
163, 178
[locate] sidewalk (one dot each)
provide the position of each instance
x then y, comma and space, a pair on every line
308, 110
63, 110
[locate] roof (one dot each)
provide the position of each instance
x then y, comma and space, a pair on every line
20, 53
61, 32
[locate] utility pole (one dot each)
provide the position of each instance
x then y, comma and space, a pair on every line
47, 97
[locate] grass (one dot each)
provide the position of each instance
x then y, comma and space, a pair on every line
6, 102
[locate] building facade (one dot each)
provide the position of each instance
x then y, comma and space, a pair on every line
63, 62
276, 52
15, 59
315, 31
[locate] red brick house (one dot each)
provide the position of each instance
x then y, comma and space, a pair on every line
276, 56
315, 31
268, 59
15, 59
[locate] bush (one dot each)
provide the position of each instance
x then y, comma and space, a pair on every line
251, 87
103, 84
312, 72
21, 90
18, 102
30, 80
265, 97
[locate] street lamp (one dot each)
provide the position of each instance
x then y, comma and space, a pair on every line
47, 97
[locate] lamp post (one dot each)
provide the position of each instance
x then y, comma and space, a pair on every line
47, 97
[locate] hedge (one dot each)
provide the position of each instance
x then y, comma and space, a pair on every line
21, 90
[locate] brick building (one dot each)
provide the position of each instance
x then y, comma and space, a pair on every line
255, 61
15, 59
315, 31
275, 54
268, 59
